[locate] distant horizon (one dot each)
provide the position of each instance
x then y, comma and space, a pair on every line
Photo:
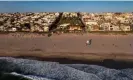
66, 6
68, 12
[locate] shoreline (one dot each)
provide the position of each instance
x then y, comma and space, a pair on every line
74, 56
108, 63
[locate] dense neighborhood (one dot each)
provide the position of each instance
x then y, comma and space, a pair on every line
65, 22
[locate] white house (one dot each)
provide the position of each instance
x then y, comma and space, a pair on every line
12, 29
105, 26
2, 28
65, 24
120, 18
124, 21
108, 17
125, 27
91, 23
46, 29
114, 28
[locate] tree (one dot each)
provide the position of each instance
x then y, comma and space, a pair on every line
27, 25
12, 20
1, 23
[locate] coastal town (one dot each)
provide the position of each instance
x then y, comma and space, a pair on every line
66, 40
65, 22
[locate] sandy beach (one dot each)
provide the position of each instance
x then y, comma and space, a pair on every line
117, 47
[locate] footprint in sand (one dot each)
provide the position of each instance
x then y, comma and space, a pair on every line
116, 46
113, 44
54, 45
131, 45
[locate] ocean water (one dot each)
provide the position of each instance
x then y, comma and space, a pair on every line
44, 70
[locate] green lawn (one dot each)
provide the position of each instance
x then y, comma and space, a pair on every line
71, 20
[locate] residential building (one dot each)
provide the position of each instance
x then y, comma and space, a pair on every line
125, 27
105, 27
114, 28
74, 28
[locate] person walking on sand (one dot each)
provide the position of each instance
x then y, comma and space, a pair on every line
88, 42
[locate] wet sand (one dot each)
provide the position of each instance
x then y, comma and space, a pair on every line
70, 46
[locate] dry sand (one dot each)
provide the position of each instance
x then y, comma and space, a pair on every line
119, 47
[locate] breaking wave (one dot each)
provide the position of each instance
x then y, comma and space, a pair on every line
44, 70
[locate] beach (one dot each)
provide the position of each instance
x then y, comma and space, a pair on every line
73, 46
